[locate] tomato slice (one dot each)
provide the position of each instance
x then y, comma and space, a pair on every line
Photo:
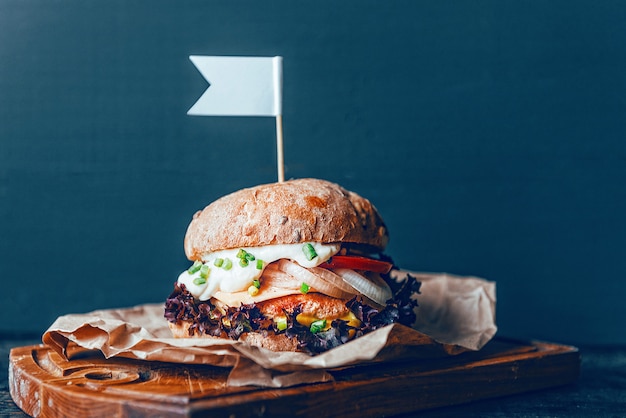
354, 262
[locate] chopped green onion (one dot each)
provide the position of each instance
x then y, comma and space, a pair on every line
199, 280
243, 254
304, 288
204, 271
253, 290
309, 251
195, 267
245, 257
318, 326
227, 264
281, 323
259, 264
218, 262
256, 284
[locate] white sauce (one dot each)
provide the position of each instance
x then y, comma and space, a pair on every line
239, 278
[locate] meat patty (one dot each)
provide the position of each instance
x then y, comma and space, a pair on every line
314, 304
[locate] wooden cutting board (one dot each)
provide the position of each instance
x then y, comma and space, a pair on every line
44, 384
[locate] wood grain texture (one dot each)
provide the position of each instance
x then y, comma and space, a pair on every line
43, 384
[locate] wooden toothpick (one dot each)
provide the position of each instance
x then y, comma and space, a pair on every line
279, 148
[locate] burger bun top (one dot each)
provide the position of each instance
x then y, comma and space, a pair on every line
290, 212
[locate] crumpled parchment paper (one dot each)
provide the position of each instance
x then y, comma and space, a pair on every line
455, 314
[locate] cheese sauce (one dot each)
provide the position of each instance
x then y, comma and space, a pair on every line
238, 278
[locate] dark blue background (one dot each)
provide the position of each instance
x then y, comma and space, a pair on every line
489, 134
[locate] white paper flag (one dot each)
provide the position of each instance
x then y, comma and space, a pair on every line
239, 86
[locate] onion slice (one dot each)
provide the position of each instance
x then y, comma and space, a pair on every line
333, 279
316, 283
273, 277
374, 287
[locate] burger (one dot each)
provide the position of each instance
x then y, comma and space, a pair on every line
290, 266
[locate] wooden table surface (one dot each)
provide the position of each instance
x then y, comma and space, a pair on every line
600, 391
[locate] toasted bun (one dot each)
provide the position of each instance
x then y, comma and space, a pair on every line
285, 213
274, 342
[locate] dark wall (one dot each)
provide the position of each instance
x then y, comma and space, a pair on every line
489, 134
